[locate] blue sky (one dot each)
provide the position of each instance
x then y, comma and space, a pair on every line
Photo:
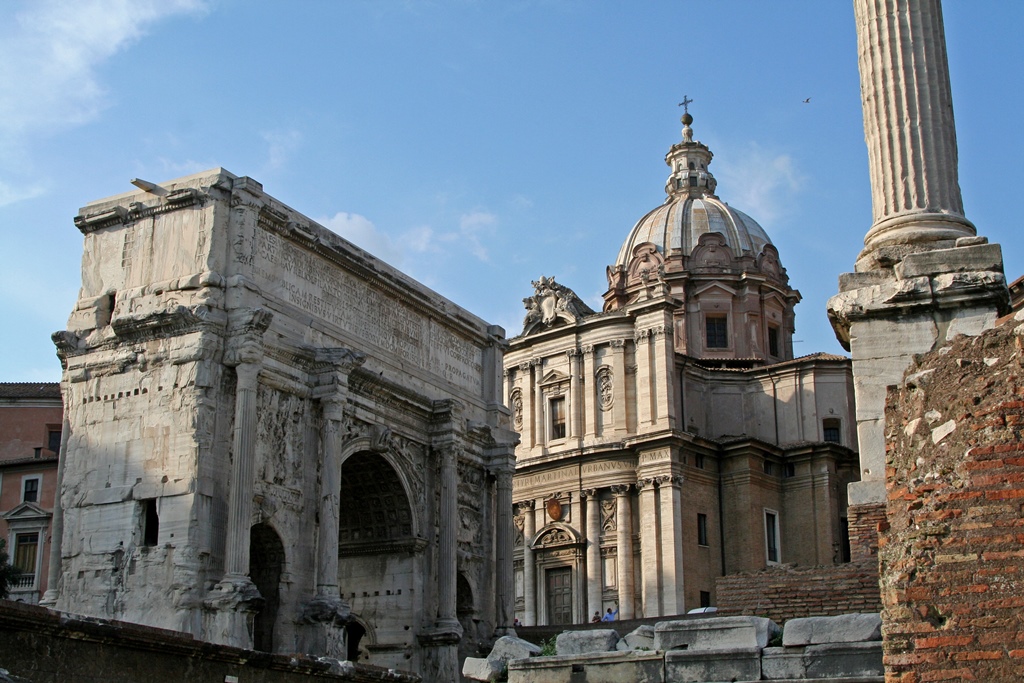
474, 145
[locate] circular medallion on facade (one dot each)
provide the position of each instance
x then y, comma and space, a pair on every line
554, 509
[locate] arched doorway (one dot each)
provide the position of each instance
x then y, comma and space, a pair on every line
465, 611
379, 569
266, 561
354, 633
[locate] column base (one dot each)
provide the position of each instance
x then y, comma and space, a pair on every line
49, 598
229, 610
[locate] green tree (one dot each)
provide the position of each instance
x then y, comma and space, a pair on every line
7, 570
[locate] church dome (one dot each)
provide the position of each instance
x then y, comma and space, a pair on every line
692, 209
676, 226
693, 234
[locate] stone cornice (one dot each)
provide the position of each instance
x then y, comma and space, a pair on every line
119, 215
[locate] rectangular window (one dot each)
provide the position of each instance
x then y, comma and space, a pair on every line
558, 417
768, 467
771, 536
705, 599
830, 430
53, 439
790, 470
717, 333
30, 490
773, 341
702, 531
698, 461
25, 548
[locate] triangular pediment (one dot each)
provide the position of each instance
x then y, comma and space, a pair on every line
25, 512
554, 377
715, 288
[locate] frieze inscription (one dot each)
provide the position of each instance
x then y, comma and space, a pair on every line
346, 301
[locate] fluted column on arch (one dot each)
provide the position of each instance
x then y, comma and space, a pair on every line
327, 611
234, 600
503, 541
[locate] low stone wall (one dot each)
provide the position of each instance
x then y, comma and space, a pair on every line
44, 646
952, 557
784, 593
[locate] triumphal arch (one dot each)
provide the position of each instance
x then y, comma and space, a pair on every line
276, 440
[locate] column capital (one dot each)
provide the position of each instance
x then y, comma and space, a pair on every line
646, 482
590, 494
524, 505
587, 349
572, 353
618, 343
621, 489
245, 341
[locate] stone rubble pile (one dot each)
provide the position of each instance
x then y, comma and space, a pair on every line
844, 648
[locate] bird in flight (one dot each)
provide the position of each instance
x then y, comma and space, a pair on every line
807, 101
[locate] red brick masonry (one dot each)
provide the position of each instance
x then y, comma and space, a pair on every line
784, 593
952, 558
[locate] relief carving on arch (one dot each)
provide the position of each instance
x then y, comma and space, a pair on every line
517, 522
605, 388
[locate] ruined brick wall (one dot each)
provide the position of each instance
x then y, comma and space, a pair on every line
864, 523
952, 558
784, 593
44, 646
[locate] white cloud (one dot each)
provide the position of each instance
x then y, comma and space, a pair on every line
10, 194
473, 228
361, 231
49, 54
759, 182
280, 145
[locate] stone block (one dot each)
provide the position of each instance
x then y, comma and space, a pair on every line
847, 628
480, 669
641, 638
603, 667
844, 660
981, 257
735, 664
718, 633
581, 642
781, 663
508, 648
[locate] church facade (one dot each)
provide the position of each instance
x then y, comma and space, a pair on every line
673, 437
276, 441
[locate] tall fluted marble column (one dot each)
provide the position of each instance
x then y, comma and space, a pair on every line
624, 550
594, 581
908, 124
923, 276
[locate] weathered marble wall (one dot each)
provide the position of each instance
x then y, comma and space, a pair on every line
233, 369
